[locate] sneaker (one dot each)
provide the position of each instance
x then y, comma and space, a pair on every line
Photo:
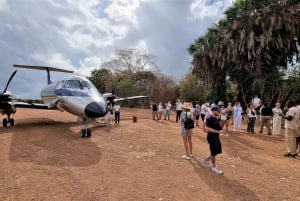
186, 157
191, 155
290, 155
216, 170
205, 162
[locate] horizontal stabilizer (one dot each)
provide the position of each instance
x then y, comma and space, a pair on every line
42, 68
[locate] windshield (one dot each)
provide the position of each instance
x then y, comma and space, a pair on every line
82, 84
74, 84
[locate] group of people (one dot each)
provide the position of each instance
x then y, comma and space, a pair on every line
213, 129
159, 109
273, 116
113, 109
217, 118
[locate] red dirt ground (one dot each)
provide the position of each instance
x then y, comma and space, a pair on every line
44, 158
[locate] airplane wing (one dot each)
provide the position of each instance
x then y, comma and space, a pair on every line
129, 98
31, 105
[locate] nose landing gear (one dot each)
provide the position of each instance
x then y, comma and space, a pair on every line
85, 132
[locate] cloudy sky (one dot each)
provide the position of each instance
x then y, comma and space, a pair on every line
81, 34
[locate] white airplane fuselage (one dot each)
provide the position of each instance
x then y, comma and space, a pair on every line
76, 95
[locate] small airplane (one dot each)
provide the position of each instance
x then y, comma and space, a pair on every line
74, 94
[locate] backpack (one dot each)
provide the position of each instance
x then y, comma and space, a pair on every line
188, 122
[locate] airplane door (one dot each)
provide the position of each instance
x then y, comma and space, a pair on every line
58, 90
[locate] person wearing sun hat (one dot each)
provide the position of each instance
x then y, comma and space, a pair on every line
186, 133
213, 128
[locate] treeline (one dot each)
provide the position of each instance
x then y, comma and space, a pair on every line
253, 50
132, 72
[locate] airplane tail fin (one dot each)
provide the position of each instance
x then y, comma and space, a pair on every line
48, 69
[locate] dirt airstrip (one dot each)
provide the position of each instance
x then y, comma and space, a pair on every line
44, 158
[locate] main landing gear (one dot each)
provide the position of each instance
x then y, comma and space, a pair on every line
85, 132
9, 121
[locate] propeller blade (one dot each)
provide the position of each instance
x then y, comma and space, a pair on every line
11, 77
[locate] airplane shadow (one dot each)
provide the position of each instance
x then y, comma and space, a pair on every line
234, 190
44, 141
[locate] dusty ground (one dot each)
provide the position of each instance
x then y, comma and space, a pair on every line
43, 158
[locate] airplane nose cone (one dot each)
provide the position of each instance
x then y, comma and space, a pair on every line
94, 110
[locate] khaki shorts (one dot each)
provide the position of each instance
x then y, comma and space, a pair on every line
297, 133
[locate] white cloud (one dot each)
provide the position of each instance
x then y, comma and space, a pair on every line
86, 30
122, 10
81, 33
93, 61
201, 9
55, 60
141, 46
88, 64
4, 6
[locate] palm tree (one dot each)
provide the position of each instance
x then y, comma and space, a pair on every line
255, 40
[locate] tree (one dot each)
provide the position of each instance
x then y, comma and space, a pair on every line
102, 78
192, 89
131, 61
127, 87
132, 72
250, 46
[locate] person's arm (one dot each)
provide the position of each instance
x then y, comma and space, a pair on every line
211, 130
287, 117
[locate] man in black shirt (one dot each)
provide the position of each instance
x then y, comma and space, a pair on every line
213, 128
267, 115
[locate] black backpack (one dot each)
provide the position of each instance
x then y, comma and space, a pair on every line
188, 122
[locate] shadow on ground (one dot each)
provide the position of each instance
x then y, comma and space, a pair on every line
229, 189
44, 141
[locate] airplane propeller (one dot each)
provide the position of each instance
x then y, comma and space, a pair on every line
11, 77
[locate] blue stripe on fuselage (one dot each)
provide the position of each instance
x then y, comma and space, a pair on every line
70, 92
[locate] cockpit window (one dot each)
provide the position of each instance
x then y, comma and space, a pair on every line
74, 84
86, 84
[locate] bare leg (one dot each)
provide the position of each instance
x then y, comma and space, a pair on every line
185, 143
190, 143
297, 142
213, 160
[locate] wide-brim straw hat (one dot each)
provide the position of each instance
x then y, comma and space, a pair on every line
186, 105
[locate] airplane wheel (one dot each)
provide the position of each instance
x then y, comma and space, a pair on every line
5, 122
82, 133
88, 132
12, 122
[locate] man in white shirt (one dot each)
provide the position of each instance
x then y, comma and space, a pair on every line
256, 102
178, 109
117, 113
291, 126
168, 110
298, 129
204, 109
197, 112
